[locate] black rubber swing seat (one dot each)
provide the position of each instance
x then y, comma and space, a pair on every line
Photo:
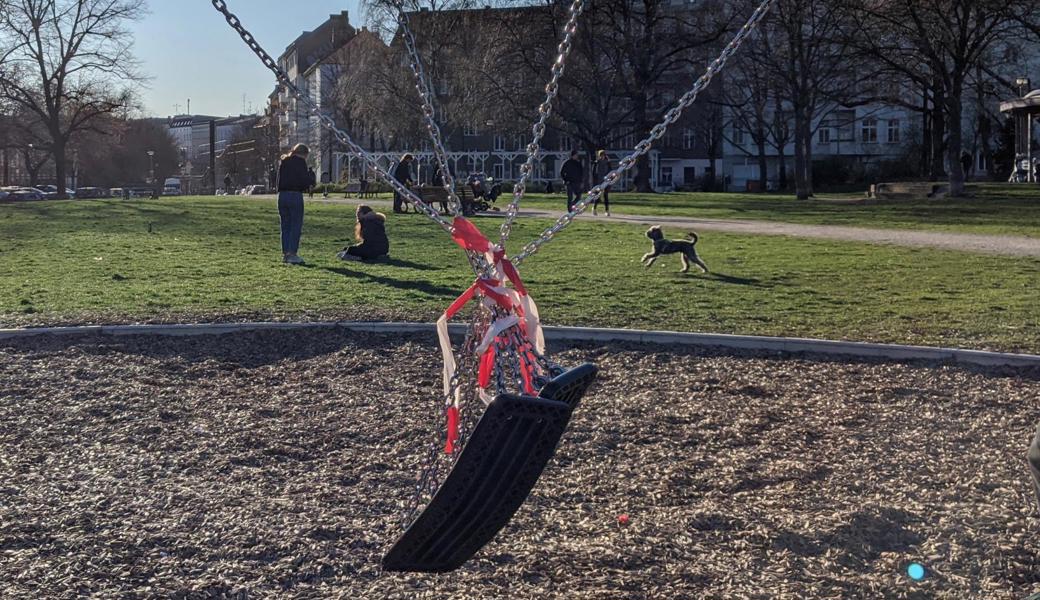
500, 464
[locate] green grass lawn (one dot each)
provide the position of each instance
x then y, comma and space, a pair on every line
219, 258
994, 209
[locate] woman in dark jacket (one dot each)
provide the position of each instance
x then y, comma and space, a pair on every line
602, 168
402, 173
294, 178
370, 231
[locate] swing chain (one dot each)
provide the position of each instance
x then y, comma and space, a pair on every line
429, 114
552, 89
312, 107
655, 134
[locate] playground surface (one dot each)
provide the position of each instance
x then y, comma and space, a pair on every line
274, 464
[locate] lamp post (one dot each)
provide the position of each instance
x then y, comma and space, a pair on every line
1023, 86
151, 166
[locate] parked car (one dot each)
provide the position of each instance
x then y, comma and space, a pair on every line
4, 194
254, 190
85, 193
26, 194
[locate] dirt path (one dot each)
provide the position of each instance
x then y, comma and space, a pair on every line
1005, 245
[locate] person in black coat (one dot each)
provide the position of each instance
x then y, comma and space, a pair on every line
370, 231
294, 178
402, 173
573, 175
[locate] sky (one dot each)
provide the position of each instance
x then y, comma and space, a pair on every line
189, 51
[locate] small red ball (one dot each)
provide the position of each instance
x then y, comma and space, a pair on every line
623, 519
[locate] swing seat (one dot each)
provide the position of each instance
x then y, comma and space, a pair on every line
500, 464
570, 386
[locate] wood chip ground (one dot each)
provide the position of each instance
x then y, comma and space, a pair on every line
274, 465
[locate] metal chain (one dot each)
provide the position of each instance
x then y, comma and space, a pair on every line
429, 115
655, 134
534, 149
327, 121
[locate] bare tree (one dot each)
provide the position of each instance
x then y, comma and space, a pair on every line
942, 42
808, 51
67, 63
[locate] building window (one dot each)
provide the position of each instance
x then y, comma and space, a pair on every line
739, 135
629, 141
845, 122
566, 143
469, 129
499, 171
518, 143
895, 132
689, 139
500, 143
666, 176
825, 134
870, 127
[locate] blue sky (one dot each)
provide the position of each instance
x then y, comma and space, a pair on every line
189, 51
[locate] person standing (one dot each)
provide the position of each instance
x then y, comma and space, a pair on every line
227, 184
573, 175
403, 174
602, 168
294, 178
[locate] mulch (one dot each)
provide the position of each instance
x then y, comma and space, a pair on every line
275, 465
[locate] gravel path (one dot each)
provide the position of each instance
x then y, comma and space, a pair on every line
271, 465
1005, 245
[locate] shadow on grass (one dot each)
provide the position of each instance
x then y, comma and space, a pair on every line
401, 284
723, 278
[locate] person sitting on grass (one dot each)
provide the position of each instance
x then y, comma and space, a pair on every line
370, 231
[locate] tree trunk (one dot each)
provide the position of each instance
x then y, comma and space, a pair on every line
802, 129
955, 110
763, 164
783, 170
937, 170
59, 165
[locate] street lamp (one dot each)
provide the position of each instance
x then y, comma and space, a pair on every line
1023, 86
151, 166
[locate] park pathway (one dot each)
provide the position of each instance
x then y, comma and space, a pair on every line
1005, 245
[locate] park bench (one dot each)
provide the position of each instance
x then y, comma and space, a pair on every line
437, 195
909, 190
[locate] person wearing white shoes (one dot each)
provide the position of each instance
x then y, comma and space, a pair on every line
601, 169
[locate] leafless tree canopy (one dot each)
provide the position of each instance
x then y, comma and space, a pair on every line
65, 64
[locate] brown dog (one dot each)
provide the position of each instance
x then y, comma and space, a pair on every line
684, 248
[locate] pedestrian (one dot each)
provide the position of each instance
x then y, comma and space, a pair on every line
294, 178
272, 178
227, 184
403, 174
363, 186
549, 187
370, 231
603, 167
573, 175
314, 180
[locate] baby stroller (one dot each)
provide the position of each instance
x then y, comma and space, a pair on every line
485, 192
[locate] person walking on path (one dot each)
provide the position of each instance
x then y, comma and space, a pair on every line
370, 231
314, 180
599, 172
402, 173
573, 176
294, 178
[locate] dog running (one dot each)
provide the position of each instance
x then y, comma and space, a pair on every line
684, 248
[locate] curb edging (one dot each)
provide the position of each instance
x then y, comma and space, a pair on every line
575, 334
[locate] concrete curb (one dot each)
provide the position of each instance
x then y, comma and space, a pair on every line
576, 334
